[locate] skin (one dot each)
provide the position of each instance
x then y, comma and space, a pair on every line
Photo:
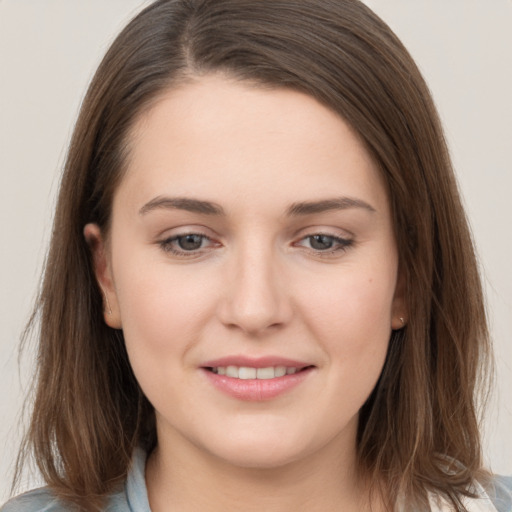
258, 285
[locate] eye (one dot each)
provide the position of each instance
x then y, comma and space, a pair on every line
190, 242
187, 244
322, 243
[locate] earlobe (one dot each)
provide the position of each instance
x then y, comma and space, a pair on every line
103, 272
398, 323
399, 314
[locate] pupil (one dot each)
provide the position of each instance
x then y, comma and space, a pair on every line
190, 242
321, 242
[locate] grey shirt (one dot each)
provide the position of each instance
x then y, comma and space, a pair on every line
133, 496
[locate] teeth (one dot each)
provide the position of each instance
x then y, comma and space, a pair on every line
246, 372
265, 373
232, 371
280, 371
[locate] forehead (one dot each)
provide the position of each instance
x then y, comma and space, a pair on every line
250, 139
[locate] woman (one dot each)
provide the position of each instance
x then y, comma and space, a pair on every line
261, 290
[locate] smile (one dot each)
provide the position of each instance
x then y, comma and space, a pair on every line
257, 380
247, 372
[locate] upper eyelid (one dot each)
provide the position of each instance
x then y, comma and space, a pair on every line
332, 232
183, 230
172, 238
186, 233
303, 233
339, 239
323, 229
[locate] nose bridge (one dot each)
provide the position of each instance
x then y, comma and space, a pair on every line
256, 298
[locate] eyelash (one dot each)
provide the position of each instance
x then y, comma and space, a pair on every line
340, 244
169, 245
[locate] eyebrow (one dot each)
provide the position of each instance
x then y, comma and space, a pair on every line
182, 203
337, 203
296, 209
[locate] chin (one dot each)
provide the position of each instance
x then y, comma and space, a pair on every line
263, 460
264, 452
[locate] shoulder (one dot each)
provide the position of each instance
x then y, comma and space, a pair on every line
131, 496
38, 500
499, 490
43, 500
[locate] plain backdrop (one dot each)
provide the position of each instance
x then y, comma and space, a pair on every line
48, 52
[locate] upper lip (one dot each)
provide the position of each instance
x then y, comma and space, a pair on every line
255, 362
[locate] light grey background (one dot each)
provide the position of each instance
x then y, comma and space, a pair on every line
48, 52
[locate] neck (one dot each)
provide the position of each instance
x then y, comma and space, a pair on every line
184, 479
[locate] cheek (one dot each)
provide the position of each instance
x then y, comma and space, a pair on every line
351, 315
163, 315
163, 308
352, 298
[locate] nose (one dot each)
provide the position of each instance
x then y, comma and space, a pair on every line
256, 298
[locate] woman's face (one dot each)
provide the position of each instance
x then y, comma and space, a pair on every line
252, 267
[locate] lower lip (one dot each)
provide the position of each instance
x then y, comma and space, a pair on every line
257, 389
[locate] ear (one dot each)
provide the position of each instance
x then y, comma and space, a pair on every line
103, 271
399, 311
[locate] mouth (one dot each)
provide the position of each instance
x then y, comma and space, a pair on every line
249, 372
259, 379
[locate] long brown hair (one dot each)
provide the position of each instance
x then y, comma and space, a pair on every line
418, 431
